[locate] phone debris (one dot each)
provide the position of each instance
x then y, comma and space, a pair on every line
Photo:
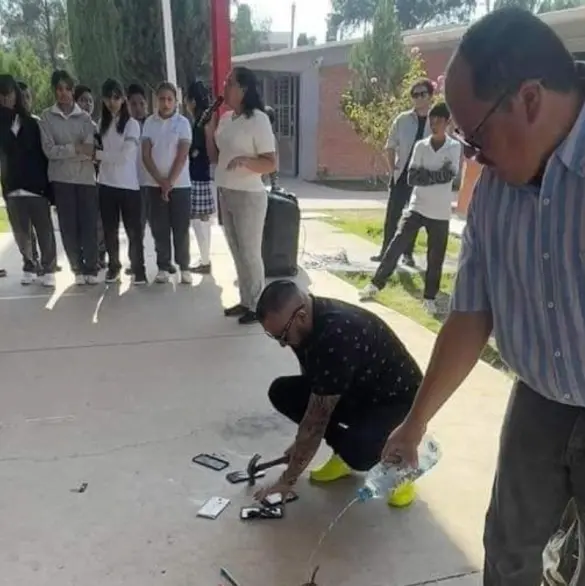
81, 488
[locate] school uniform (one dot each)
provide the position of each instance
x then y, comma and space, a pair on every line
169, 219
119, 194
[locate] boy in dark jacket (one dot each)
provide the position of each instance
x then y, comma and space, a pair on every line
25, 183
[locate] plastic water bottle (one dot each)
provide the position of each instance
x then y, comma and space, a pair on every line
383, 478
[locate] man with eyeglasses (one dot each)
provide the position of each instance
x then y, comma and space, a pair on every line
408, 128
356, 384
518, 100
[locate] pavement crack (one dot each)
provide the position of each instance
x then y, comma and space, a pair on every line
445, 578
97, 454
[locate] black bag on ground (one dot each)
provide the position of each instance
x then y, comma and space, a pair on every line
280, 242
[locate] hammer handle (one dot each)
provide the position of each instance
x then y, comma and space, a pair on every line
272, 463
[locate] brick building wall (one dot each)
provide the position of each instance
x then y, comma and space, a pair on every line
340, 152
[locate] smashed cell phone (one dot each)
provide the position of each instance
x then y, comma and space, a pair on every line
242, 476
275, 499
260, 512
211, 462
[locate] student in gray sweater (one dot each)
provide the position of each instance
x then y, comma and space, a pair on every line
67, 134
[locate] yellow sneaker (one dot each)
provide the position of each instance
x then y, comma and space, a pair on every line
334, 469
403, 495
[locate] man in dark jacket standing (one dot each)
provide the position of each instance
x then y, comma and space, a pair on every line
25, 184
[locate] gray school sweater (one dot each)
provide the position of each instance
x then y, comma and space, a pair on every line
59, 135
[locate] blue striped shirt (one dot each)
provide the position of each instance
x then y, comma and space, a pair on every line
523, 260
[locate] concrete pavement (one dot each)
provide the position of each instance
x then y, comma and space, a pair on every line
120, 388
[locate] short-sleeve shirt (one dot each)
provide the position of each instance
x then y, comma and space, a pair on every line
434, 201
238, 136
353, 353
165, 134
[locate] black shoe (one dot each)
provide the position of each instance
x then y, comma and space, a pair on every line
128, 271
236, 311
140, 278
408, 261
201, 269
248, 318
3, 273
376, 258
172, 270
112, 276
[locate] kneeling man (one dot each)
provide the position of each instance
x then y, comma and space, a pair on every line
357, 383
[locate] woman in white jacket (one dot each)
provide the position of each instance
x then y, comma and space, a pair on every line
119, 188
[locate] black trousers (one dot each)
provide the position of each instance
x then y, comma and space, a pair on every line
437, 239
399, 196
30, 219
356, 435
541, 466
126, 204
78, 211
168, 219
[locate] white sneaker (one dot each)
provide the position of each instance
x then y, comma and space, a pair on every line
92, 280
79, 280
368, 292
49, 280
27, 278
430, 306
162, 277
186, 277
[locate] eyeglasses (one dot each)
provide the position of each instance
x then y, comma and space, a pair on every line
472, 148
416, 95
283, 337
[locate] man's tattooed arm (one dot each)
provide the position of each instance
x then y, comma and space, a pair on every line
311, 431
419, 176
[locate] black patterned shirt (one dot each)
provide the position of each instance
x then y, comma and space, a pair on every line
353, 353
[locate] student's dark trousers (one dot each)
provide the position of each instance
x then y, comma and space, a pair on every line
541, 466
437, 239
398, 198
126, 204
170, 219
357, 436
30, 216
78, 210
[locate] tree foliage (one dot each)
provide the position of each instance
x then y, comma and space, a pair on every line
304, 40
23, 63
540, 6
247, 36
42, 24
411, 13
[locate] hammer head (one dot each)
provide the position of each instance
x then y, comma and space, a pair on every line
251, 469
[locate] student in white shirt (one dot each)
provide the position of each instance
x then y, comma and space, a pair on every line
119, 190
246, 151
434, 164
166, 139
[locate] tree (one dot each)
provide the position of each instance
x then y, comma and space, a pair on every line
23, 63
334, 22
246, 36
540, 6
411, 13
303, 40
380, 61
42, 23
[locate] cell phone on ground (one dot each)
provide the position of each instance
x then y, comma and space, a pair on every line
242, 476
211, 462
213, 508
259, 513
273, 500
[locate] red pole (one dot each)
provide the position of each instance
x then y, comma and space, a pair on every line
220, 43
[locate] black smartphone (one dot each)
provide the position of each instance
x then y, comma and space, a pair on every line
259, 512
211, 462
242, 476
276, 499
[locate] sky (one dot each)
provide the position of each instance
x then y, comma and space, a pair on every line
311, 15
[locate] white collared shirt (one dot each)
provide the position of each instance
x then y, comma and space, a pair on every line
165, 134
118, 157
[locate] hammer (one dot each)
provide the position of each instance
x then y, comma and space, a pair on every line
254, 467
